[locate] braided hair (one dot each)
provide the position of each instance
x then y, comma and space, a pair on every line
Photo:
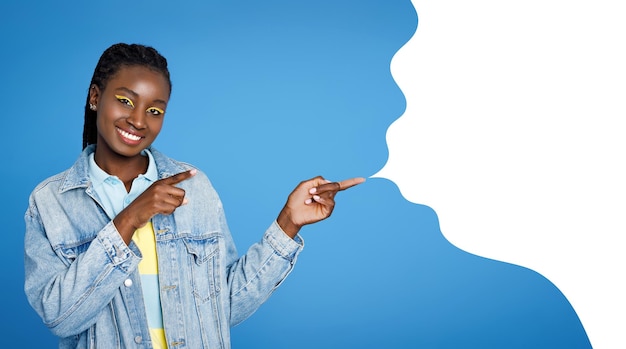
112, 59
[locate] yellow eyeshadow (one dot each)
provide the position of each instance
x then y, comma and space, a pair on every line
122, 98
157, 109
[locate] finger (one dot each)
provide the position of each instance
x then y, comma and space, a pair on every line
176, 201
172, 195
170, 202
167, 208
329, 202
320, 200
322, 188
349, 183
336, 186
179, 177
325, 206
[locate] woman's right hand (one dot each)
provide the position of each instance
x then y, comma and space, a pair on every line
162, 197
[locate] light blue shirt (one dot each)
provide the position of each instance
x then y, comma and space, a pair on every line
111, 189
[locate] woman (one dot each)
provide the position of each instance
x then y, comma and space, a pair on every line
130, 248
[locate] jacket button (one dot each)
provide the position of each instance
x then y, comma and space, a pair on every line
138, 339
128, 283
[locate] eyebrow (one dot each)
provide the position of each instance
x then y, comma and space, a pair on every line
135, 95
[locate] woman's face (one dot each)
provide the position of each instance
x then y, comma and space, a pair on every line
130, 110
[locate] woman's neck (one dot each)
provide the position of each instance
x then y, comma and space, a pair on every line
124, 168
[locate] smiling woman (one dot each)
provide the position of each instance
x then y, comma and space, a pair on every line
130, 246
130, 112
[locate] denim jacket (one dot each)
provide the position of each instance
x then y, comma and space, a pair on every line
82, 279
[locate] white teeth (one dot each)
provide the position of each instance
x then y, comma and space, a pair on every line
128, 135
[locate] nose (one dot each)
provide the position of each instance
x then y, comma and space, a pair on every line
137, 119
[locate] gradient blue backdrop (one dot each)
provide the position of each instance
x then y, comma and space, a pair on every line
265, 94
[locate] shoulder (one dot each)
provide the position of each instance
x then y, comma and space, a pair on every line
47, 193
168, 166
51, 183
74, 177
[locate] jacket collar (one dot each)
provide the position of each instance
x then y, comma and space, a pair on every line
77, 176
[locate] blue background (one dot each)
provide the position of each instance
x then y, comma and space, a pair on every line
265, 94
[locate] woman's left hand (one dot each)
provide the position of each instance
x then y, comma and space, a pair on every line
312, 201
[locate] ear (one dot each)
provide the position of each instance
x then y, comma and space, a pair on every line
94, 94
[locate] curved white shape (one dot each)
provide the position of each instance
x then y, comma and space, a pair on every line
514, 134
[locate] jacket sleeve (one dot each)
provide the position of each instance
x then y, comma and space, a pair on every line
69, 292
253, 277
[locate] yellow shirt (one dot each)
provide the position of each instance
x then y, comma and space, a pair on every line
149, 271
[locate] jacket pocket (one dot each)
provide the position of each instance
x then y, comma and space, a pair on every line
204, 261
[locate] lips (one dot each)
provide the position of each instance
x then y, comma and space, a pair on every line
129, 137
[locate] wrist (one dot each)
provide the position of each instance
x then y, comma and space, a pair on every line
124, 227
286, 224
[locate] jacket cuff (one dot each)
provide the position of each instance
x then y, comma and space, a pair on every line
119, 253
285, 246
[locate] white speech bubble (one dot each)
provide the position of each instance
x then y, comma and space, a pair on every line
514, 134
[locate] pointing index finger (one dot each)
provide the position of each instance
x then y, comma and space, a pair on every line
179, 177
349, 183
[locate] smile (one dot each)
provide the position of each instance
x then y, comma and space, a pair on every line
127, 135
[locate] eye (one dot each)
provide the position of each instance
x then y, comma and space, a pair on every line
125, 100
155, 111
